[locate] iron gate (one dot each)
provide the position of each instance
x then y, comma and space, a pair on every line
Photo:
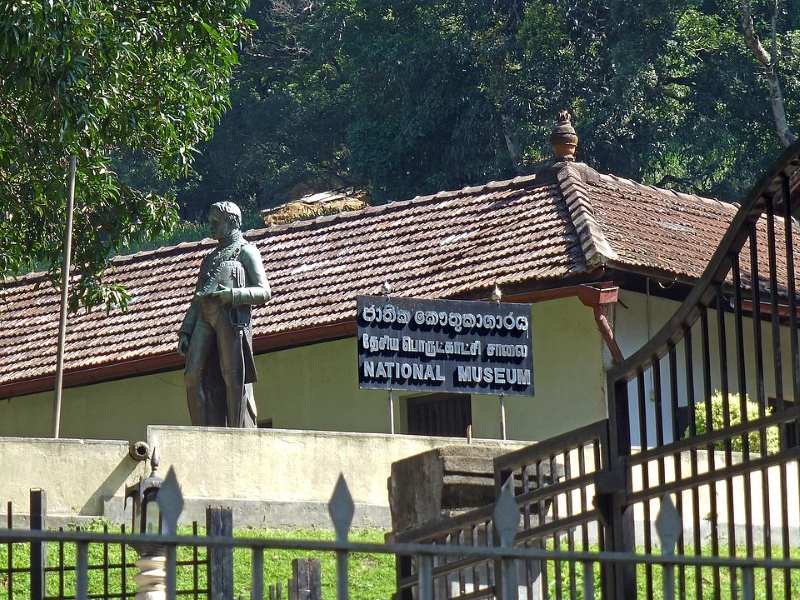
729, 356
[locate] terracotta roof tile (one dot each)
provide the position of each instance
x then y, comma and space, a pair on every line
443, 245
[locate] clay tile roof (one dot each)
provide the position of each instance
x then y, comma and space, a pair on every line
434, 246
562, 225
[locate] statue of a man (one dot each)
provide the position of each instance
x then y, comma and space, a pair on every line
216, 335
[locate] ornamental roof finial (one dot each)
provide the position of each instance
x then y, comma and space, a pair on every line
563, 138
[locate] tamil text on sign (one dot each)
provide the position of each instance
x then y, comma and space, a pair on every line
444, 345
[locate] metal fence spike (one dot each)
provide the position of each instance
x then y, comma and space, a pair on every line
341, 509
506, 516
170, 502
668, 525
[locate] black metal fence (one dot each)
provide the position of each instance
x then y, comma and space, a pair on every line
35, 569
49, 571
694, 483
708, 411
552, 484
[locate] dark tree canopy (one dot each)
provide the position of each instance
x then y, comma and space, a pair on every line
94, 79
401, 97
408, 97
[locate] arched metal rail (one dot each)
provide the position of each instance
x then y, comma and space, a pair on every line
707, 410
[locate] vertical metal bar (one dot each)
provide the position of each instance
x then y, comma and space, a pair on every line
62, 326
476, 576
777, 359
557, 575
38, 549
489, 528
123, 566
748, 584
257, 592
10, 551
722, 338
542, 511
570, 535
741, 370
742, 383
105, 564
677, 458
583, 499
597, 467
677, 434
767, 526
640, 393
795, 357
691, 402
668, 582
526, 524
425, 578
171, 575
712, 488
755, 285
648, 548
784, 500
342, 575
588, 580
509, 579
82, 571
762, 402
195, 564
618, 579
462, 577
659, 410
791, 290
722, 335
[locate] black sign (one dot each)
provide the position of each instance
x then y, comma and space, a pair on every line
444, 346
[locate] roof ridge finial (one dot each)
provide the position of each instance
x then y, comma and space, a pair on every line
563, 138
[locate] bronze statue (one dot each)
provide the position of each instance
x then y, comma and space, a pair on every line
216, 335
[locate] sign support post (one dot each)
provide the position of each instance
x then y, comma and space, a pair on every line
503, 416
391, 411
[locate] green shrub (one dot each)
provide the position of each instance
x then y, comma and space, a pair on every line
718, 422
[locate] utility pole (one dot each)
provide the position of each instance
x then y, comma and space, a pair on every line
62, 328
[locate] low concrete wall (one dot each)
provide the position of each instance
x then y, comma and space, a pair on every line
278, 477
77, 475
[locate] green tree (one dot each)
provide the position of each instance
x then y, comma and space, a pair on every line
94, 79
717, 419
409, 97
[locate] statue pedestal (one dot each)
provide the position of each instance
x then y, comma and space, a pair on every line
151, 581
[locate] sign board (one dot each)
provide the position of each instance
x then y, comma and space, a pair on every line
444, 346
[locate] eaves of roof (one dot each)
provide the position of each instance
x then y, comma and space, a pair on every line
559, 228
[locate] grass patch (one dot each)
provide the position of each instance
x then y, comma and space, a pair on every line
371, 575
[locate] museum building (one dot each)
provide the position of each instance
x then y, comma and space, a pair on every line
602, 260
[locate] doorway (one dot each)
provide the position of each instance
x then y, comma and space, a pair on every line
439, 415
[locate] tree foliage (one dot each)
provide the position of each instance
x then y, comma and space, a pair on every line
398, 96
718, 423
407, 97
93, 79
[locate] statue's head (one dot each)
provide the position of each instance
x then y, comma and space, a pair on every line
224, 218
